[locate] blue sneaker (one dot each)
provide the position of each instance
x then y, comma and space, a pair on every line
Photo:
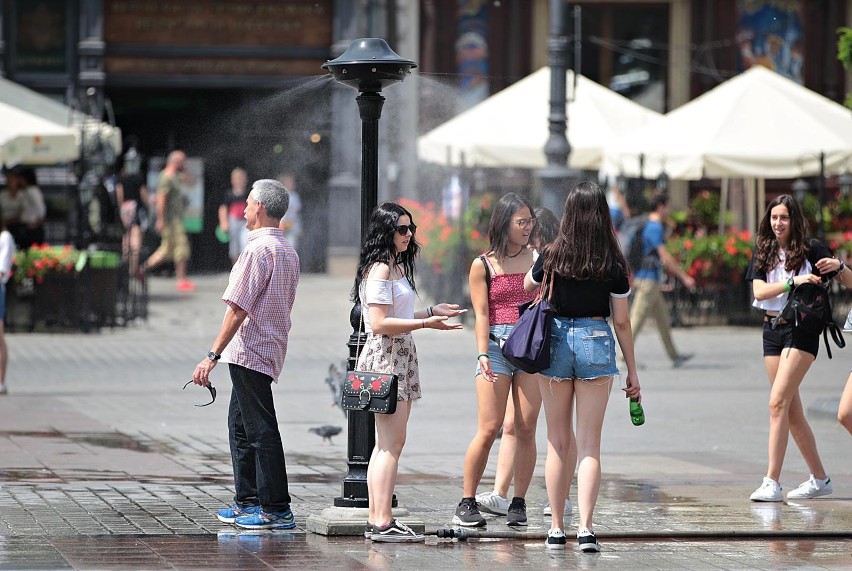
232, 512
267, 520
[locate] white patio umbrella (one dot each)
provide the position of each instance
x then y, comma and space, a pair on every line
86, 128
28, 139
510, 128
758, 124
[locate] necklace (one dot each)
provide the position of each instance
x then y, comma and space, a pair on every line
515, 255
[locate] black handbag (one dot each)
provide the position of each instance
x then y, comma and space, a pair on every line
370, 391
528, 345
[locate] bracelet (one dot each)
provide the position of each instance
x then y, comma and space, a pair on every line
842, 267
423, 321
429, 311
786, 286
481, 355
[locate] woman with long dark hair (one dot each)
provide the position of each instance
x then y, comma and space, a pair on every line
584, 275
496, 288
384, 287
784, 258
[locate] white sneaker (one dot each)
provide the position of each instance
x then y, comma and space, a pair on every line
769, 491
492, 503
555, 539
568, 509
588, 541
813, 488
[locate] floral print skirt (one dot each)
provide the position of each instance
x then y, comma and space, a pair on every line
376, 356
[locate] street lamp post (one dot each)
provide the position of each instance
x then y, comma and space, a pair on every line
368, 65
557, 149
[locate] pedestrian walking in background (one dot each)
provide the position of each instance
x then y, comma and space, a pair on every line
385, 289
132, 197
231, 220
648, 296
496, 289
253, 341
544, 231
7, 256
35, 210
170, 208
784, 258
13, 203
589, 278
292, 223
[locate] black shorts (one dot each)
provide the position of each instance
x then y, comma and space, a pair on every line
785, 336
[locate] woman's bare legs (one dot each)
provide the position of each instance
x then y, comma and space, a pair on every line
384, 462
506, 453
4, 355
558, 404
526, 396
786, 413
844, 412
592, 397
491, 409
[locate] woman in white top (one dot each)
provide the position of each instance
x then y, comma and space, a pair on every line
384, 287
7, 254
784, 258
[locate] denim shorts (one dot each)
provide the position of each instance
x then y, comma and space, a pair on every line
581, 348
2, 302
499, 364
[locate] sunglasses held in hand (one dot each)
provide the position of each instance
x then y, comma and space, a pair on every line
212, 390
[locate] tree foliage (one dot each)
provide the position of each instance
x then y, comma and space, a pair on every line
844, 54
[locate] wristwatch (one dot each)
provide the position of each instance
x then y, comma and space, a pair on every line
791, 284
214, 356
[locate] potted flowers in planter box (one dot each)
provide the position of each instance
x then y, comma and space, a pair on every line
46, 275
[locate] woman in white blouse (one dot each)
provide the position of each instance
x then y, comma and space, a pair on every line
384, 287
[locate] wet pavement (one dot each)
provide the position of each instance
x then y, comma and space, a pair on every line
106, 464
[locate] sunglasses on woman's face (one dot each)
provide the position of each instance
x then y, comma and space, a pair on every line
404, 229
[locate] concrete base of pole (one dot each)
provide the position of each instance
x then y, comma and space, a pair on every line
351, 521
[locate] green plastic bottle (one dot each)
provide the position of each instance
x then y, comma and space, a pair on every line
637, 415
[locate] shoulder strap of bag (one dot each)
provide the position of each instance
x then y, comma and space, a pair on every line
546, 283
487, 271
832, 327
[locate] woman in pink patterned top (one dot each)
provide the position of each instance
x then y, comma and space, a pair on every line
496, 290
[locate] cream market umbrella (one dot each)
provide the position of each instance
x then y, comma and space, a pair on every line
758, 124
86, 128
510, 128
28, 139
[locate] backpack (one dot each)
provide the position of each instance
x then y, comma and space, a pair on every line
631, 241
808, 308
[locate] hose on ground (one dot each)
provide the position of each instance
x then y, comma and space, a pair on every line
463, 534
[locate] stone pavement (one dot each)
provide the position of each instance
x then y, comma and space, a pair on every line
105, 463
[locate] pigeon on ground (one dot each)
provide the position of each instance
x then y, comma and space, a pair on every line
326, 431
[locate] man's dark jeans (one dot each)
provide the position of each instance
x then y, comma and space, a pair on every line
257, 455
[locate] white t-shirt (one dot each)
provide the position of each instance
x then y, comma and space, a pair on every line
398, 294
779, 275
7, 254
34, 207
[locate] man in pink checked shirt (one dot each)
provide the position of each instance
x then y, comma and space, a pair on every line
253, 338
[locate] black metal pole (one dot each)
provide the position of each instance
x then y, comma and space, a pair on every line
557, 149
368, 65
361, 425
821, 197
370, 110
